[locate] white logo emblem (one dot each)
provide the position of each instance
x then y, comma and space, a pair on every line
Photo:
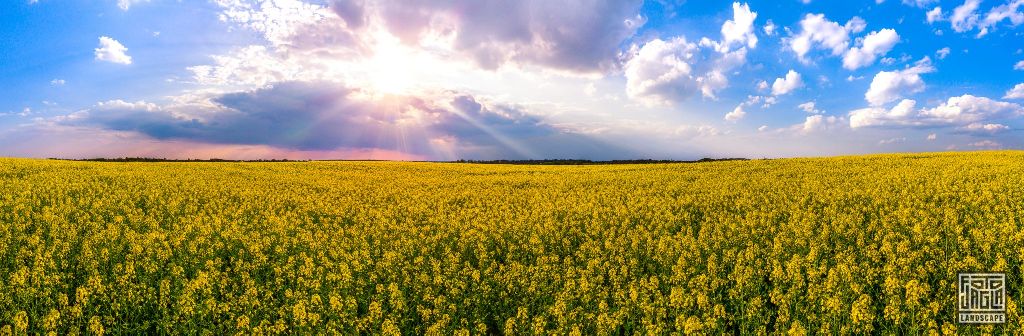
982, 298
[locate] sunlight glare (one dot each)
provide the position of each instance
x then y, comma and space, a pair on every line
393, 67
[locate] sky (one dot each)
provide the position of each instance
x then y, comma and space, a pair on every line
529, 79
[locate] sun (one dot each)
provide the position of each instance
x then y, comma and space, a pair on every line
393, 68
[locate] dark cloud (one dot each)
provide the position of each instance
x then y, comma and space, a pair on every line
352, 11
584, 35
329, 116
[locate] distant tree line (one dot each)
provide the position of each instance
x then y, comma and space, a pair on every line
591, 162
146, 159
512, 162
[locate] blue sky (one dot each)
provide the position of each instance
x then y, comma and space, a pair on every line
445, 80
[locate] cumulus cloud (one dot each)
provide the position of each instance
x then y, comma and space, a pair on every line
877, 116
888, 86
1017, 92
58, 82
809, 107
942, 53
934, 15
739, 30
818, 122
736, 114
685, 67
969, 109
769, 28
965, 110
663, 72
255, 65
1019, 66
787, 84
1009, 11
983, 128
964, 17
319, 116
876, 44
110, 50
817, 31
855, 25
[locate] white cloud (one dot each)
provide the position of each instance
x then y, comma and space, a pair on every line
934, 15
877, 116
58, 82
1008, 11
810, 107
711, 82
661, 72
963, 111
285, 23
119, 104
1019, 66
816, 30
762, 85
876, 44
787, 84
969, 109
253, 66
855, 25
932, 137
888, 86
739, 30
986, 144
769, 28
111, 50
942, 53
919, 3
964, 17
126, 4
820, 122
1017, 92
736, 114
984, 128
892, 141
752, 100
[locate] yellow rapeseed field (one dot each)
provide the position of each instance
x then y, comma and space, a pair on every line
847, 245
